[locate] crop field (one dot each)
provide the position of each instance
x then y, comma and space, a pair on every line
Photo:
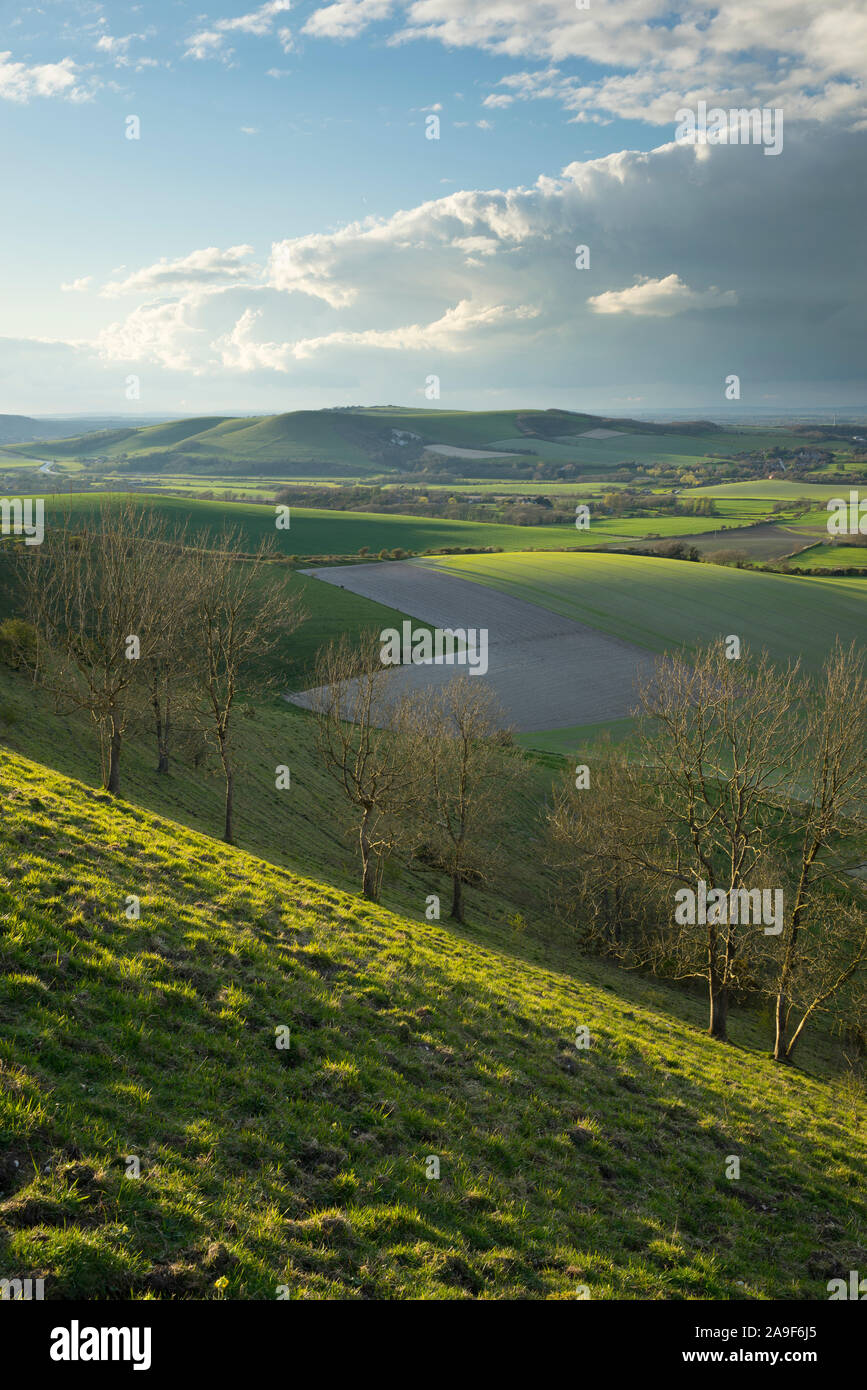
767, 489
831, 557
661, 603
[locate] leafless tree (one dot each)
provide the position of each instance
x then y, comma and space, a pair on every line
742, 776
363, 738
93, 591
242, 606
824, 940
469, 770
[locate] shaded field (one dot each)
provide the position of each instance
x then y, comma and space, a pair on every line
301, 1171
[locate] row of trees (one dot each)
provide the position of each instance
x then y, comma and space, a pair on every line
131, 623
427, 773
741, 777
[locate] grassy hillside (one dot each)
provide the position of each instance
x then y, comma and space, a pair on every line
657, 603
351, 441
154, 1039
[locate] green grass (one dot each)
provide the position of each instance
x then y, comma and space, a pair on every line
763, 489
320, 531
305, 1167
824, 556
659, 603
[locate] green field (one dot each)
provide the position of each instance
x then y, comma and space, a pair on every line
321, 531
831, 557
301, 1172
660, 603
763, 489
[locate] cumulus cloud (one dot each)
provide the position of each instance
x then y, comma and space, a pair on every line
666, 53
19, 83
347, 18
488, 278
660, 298
77, 286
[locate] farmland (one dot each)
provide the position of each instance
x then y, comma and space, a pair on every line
318, 531
656, 603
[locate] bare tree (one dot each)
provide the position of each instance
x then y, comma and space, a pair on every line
167, 662
824, 939
363, 738
469, 770
735, 763
242, 607
93, 594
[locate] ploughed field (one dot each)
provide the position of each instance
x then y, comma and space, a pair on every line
570, 636
547, 670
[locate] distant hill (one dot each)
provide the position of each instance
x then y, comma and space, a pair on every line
355, 441
23, 429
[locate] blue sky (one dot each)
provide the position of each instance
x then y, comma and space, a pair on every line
283, 234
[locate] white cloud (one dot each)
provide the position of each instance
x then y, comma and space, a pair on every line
77, 286
210, 42
804, 57
158, 333
347, 18
209, 268
18, 82
488, 277
660, 298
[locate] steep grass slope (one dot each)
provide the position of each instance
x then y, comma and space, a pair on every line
304, 1169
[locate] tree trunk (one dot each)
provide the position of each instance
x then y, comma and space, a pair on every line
781, 1048
719, 1010
112, 785
228, 835
368, 867
457, 898
162, 732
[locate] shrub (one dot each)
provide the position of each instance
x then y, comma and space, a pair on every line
17, 642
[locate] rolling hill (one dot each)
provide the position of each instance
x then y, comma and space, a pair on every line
156, 1142
23, 429
359, 442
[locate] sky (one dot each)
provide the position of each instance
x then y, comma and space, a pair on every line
262, 208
